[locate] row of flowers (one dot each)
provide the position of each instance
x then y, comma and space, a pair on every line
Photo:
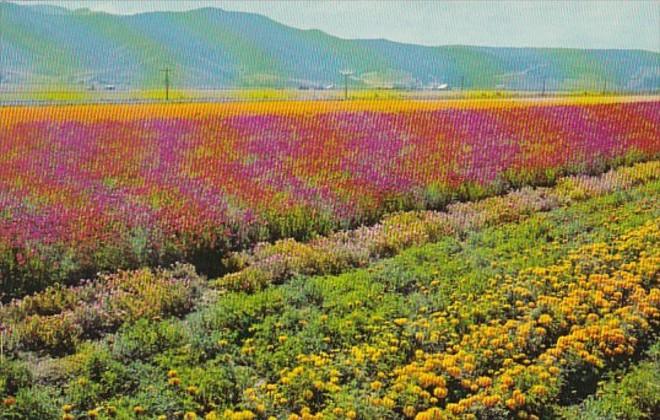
547, 330
412, 336
89, 192
59, 318
275, 263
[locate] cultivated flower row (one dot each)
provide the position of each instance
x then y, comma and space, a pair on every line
544, 331
466, 327
59, 318
120, 187
274, 263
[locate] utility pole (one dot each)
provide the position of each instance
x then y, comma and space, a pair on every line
462, 82
167, 83
346, 73
543, 91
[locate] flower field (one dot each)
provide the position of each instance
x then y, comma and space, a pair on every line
90, 189
528, 308
488, 259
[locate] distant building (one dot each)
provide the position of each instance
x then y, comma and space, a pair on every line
443, 86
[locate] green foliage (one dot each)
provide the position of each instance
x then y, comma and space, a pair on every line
34, 403
14, 375
631, 395
144, 340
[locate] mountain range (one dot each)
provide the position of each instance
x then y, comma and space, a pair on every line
214, 48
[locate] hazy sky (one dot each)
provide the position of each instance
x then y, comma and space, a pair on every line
549, 23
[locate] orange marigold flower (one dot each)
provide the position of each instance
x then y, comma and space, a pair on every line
491, 400
484, 381
511, 404
409, 411
454, 408
440, 392
539, 390
519, 397
430, 414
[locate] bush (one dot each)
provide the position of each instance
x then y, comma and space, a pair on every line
14, 376
58, 319
144, 339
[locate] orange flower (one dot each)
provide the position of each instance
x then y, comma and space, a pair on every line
440, 392
491, 400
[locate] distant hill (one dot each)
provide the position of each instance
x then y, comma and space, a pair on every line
213, 48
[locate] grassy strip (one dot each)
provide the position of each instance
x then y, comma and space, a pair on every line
337, 344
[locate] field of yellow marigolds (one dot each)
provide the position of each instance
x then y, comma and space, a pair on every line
485, 259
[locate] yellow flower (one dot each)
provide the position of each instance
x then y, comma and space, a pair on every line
511, 404
388, 403
454, 408
430, 414
519, 397
453, 371
484, 381
491, 400
440, 392
545, 320
409, 411
401, 321
308, 394
507, 381
376, 385
539, 390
